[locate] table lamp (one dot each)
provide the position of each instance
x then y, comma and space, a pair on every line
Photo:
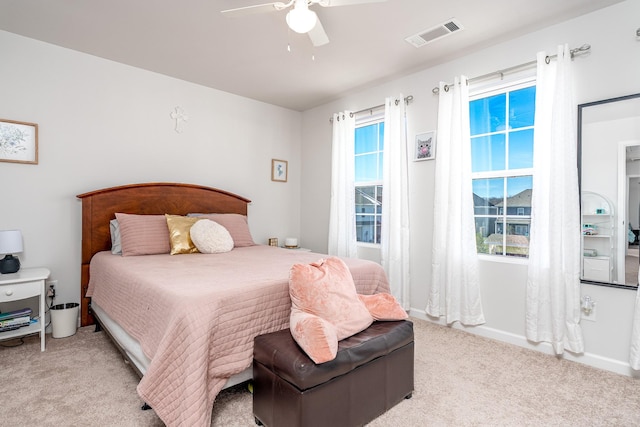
10, 243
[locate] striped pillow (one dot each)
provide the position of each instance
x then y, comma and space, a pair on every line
143, 234
235, 224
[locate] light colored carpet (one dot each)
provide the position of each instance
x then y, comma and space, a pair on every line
460, 380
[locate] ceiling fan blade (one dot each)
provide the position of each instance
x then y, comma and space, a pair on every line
317, 35
250, 10
332, 3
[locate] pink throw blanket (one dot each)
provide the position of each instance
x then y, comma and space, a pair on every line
196, 315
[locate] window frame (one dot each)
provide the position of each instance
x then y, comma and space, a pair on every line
363, 121
486, 91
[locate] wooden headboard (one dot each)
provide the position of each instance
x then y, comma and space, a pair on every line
100, 206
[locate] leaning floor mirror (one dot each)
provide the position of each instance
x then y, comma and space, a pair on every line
609, 167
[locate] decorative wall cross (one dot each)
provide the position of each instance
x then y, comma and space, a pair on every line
180, 117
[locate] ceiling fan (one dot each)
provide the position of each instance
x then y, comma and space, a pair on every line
300, 19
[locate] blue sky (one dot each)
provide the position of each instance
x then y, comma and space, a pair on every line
502, 139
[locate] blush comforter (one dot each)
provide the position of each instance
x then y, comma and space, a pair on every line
196, 315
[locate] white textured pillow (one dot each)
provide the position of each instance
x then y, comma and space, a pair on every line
210, 237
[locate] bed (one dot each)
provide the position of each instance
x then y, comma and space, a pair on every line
187, 322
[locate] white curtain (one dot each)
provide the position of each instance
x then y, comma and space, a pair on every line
634, 353
455, 287
553, 285
342, 217
394, 238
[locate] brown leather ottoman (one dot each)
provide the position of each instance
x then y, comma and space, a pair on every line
372, 372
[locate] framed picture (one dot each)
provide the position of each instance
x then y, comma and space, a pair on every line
279, 170
18, 142
425, 146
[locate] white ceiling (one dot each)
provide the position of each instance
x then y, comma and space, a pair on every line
248, 56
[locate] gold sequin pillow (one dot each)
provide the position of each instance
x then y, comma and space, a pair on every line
179, 234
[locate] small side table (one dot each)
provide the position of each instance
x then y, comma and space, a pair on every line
26, 283
297, 249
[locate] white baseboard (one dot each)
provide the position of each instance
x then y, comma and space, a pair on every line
593, 360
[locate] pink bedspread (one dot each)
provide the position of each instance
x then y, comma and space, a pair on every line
196, 315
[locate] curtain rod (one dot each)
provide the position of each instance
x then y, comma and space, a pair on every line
578, 50
407, 100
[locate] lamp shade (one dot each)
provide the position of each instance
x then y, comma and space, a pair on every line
300, 19
10, 241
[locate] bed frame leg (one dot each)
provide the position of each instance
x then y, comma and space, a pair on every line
145, 407
98, 327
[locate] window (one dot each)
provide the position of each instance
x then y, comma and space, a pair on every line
369, 146
501, 124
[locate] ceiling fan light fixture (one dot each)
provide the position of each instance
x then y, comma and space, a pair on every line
300, 19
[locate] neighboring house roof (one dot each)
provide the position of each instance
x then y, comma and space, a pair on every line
522, 199
481, 201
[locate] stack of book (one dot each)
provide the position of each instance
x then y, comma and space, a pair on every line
15, 319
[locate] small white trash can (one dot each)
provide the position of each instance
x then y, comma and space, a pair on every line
64, 319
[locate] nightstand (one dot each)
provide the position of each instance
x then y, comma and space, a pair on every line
297, 249
26, 283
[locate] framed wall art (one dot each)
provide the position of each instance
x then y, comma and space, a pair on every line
18, 142
425, 146
279, 170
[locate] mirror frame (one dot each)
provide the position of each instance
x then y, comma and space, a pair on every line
581, 107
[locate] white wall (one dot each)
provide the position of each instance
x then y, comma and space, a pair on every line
634, 202
600, 142
612, 68
103, 124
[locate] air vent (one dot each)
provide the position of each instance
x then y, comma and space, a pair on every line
435, 33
